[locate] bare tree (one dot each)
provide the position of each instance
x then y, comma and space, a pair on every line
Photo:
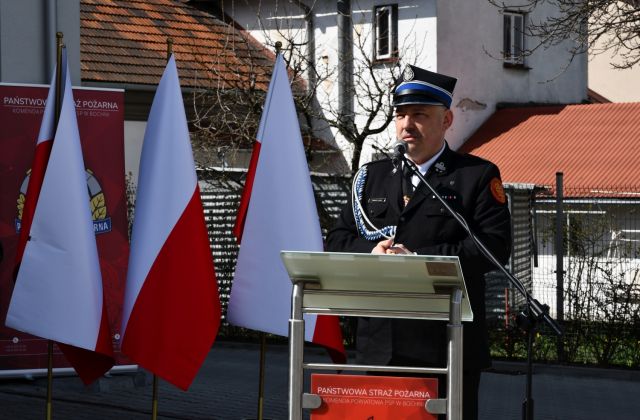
371, 90
369, 85
227, 103
226, 114
593, 26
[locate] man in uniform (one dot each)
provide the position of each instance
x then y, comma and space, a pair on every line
390, 212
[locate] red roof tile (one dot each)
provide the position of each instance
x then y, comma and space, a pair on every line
126, 42
596, 146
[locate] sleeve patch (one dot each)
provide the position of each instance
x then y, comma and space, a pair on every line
497, 190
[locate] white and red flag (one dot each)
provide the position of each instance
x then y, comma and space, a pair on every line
277, 212
171, 310
58, 292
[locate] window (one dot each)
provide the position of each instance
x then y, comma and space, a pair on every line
513, 48
385, 23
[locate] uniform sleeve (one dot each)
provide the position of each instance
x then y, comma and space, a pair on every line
490, 222
344, 237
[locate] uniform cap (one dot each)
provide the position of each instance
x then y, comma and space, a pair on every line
418, 86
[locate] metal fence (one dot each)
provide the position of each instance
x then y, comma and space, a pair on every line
501, 297
593, 238
584, 264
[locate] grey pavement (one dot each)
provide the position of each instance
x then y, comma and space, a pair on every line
226, 388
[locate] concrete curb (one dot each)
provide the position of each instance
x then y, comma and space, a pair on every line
500, 366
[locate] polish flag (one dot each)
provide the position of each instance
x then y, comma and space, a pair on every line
58, 291
171, 310
277, 212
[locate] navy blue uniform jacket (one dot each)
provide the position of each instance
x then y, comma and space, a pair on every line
472, 187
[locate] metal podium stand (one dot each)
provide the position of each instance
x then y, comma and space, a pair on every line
387, 286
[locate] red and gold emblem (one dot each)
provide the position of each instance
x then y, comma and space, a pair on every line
497, 190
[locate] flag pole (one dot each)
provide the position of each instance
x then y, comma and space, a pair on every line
49, 378
169, 48
263, 351
263, 336
154, 398
58, 100
58, 104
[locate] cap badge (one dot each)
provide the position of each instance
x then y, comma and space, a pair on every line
408, 75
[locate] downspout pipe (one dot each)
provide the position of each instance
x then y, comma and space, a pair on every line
51, 10
311, 45
345, 63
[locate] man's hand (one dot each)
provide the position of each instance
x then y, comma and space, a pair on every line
388, 247
398, 249
383, 247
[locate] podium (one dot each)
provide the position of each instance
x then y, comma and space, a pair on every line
386, 286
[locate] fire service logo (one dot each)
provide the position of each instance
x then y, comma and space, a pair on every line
98, 204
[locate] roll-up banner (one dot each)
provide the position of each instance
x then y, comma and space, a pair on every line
101, 125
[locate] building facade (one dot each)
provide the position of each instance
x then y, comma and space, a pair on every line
476, 42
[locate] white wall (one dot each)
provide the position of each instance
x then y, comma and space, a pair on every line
470, 40
133, 137
26, 42
614, 84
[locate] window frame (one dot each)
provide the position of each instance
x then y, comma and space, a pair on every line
392, 37
510, 35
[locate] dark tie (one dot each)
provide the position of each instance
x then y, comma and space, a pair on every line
407, 184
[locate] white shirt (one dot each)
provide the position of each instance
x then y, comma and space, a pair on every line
424, 167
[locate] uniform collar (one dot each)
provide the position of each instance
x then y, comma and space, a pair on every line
440, 163
424, 167
440, 166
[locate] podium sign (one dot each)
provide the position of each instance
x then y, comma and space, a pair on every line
372, 397
401, 284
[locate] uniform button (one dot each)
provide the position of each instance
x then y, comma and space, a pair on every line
402, 219
441, 210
